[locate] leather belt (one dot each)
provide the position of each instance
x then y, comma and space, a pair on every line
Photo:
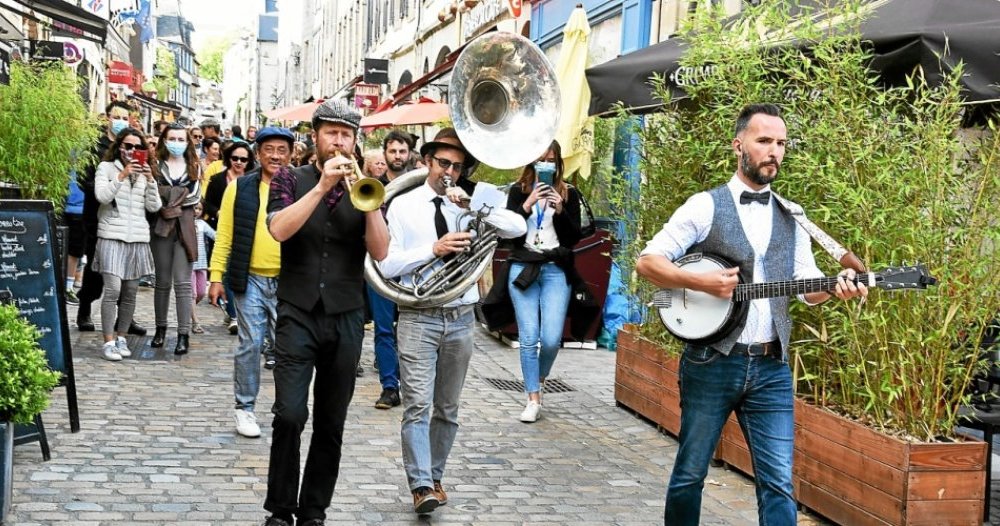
769, 349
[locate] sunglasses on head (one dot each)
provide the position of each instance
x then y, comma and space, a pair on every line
236, 159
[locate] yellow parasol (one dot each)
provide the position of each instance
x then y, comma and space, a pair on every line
576, 129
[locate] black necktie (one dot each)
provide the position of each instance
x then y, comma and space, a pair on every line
761, 197
439, 222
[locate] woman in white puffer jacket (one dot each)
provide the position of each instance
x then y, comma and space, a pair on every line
126, 189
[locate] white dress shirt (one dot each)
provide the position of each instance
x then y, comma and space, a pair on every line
691, 223
412, 234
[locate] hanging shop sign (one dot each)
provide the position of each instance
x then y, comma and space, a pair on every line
120, 73
366, 96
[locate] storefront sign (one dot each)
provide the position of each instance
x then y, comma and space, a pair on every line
120, 73
367, 96
376, 71
482, 15
71, 53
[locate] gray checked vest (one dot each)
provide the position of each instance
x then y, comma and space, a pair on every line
727, 239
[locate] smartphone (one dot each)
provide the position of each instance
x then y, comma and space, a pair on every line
546, 178
139, 156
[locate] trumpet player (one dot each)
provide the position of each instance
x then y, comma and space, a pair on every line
320, 314
435, 344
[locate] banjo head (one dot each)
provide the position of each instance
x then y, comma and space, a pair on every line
690, 315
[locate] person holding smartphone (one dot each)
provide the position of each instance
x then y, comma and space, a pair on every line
126, 189
540, 273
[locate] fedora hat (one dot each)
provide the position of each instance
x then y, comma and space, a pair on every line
448, 138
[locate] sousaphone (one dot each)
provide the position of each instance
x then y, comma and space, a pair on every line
504, 105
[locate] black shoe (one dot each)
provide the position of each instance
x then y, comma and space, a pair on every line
159, 337
136, 329
269, 362
182, 344
313, 522
84, 324
389, 399
359, 372
275, 521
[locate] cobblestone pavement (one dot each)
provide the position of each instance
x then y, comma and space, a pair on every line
158, 446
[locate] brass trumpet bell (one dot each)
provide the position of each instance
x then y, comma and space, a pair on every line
367, 194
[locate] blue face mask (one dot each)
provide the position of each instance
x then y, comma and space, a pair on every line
177, 148
117, 126
546, 171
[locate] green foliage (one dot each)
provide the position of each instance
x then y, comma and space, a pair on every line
43, 120
888, 172
211, 56
597, 190
25, 378
166, 73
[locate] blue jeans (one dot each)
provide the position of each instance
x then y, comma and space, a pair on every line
230, 297
541, 312
760, 390
435, 346
255, 317
384, 316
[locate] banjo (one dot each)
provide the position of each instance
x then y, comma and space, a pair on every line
701, 318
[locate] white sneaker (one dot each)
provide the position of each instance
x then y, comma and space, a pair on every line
531, 412
110, 352
246, 424
121, 345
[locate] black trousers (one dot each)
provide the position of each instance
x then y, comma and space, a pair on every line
330, 344
93, 282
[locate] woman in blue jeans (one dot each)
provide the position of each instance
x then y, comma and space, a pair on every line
541, 264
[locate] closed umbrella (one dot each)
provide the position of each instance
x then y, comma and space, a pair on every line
903, 34
576, 129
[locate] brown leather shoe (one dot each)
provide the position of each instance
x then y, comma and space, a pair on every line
424, 500
440, 494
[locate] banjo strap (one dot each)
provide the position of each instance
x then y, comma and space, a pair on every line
846, 258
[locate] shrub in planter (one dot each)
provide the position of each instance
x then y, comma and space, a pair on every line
889, 172
25, 378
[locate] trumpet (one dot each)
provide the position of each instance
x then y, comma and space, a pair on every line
367, 193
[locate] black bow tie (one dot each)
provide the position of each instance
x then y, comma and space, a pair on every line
761, 197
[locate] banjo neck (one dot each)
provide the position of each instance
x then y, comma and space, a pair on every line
777, 289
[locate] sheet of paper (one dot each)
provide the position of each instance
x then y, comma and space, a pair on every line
488, 194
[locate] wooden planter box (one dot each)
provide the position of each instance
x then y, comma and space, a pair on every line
844, 471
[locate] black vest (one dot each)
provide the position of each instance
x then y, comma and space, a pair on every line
246, 206
324, 260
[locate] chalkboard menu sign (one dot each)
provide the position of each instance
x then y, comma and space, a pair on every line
31, 271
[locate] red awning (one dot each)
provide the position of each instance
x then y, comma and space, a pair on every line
423, 111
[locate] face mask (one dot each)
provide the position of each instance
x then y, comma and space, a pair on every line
177, 148
546, 171
117, 126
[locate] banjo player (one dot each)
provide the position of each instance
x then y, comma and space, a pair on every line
746, 369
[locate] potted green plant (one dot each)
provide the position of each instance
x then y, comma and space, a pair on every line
25, 384
43, 119
894, 176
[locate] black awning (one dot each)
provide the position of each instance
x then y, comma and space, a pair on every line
92, 26
934, 34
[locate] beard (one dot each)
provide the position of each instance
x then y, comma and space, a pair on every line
754, 172
397, 166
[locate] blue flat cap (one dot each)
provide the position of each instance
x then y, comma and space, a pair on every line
274, 132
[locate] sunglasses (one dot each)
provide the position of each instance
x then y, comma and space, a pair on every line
445, 164
236, 159
128, 147
197, 137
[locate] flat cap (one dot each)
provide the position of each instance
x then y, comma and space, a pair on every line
338, 112
274, 132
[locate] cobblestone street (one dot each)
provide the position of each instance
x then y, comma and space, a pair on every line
158, 446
